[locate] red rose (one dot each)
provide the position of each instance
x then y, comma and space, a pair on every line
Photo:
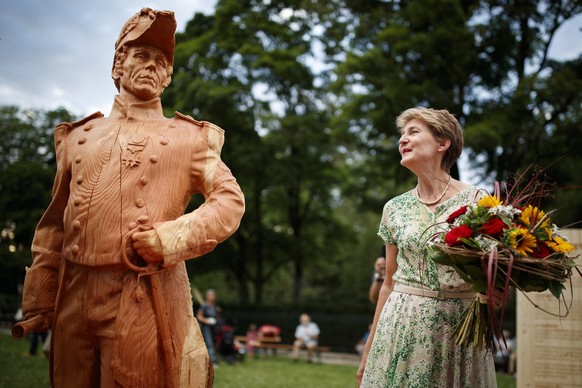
459, 212
493, 227
453, 237
541, 251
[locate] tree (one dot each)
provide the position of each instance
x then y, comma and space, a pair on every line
245, 68
530, 111
397, 55
485, 61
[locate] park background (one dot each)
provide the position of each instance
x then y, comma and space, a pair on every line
307, 92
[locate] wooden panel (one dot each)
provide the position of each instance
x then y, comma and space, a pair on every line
549, 349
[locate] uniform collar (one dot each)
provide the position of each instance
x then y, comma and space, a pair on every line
146, 110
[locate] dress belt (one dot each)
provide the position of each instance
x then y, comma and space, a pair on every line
432, 294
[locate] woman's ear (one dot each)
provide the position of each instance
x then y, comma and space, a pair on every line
444, 145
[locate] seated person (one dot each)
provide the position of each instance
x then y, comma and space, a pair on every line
252, 340
306, 336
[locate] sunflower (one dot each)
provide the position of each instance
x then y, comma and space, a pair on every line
560, 245
531, 215
522, 241
489, 201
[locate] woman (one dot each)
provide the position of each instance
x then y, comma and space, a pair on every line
410, 344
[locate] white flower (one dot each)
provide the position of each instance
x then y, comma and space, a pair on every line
486, 243
504, 211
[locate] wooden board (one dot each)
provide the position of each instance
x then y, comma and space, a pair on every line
549, 349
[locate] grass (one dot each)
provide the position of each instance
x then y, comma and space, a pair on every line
280, 372
505, 381
266, 372
19, 371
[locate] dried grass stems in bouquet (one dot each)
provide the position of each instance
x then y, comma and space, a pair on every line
496, 244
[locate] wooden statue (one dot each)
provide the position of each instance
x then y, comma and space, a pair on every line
108, 274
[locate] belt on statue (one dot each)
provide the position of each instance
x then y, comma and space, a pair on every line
432, 294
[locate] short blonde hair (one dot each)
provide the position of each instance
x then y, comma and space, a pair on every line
443, 126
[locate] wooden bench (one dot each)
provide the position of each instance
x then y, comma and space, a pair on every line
261, 340
274, 344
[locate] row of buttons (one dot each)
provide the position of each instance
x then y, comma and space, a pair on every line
140, 202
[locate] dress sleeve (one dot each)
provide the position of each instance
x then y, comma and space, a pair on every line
386, 231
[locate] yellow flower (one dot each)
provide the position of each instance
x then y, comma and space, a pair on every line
489, 201
531, 215
560, 245
522, 241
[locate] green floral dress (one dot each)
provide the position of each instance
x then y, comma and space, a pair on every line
412, 346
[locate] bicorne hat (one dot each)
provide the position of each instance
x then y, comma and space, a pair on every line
152, 28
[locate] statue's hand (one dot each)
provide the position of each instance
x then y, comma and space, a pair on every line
148, 246
38, 323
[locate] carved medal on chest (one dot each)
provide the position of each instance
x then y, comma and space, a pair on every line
131, 150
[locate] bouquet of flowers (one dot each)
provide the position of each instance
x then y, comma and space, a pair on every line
494, 245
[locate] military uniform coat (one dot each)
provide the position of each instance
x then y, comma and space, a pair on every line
134, 170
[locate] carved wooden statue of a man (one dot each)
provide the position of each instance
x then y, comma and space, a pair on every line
108, 274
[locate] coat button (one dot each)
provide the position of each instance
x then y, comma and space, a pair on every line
140, 202
143, 220
76, 225
132, 225
143, 180
87, 127
154, 158
164, 141
80, 179
78, 159
82, 140
77, 201
75, 250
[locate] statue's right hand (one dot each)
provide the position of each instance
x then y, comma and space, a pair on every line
37, 323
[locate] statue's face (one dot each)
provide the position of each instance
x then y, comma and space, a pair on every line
144, 73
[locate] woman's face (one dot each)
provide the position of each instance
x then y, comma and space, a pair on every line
418, 146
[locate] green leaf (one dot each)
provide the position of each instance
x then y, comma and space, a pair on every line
479, 285
556, 288
443, 259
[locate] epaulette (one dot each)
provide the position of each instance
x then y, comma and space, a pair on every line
188, 118
198, 123
213, 133
63, 129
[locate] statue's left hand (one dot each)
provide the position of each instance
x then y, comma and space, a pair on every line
148, 246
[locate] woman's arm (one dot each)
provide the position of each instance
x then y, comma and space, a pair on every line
385, 291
